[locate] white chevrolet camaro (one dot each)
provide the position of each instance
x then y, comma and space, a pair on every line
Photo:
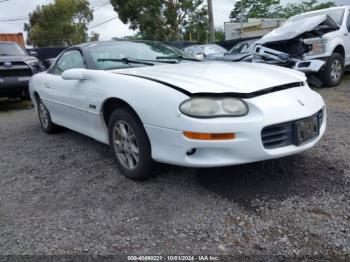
151, 103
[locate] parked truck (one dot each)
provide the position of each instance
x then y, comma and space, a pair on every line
16, 68
317, 43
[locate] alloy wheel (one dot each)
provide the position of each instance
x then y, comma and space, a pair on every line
336, 70
125, 145
44, 115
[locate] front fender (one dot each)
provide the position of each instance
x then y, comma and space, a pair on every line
155, 103
334, 43
334, 39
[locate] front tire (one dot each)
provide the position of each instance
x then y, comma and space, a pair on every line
334, 70
130, 144
45, 118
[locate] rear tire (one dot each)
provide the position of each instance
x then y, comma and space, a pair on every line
334, 70
130, 144
45, 119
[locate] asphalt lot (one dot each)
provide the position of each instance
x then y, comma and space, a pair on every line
62, 194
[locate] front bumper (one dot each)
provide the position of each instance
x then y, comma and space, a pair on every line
13, 86
283, 59
171, 146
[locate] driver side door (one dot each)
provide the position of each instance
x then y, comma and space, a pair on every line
66, 99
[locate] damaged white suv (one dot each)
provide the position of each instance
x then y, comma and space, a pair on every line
317, 43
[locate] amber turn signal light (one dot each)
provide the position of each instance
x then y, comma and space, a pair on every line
206, 136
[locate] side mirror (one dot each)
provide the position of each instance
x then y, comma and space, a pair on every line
49, 62
33, 53
73, 74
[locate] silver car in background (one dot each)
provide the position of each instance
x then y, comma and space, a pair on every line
208, 51
242, 51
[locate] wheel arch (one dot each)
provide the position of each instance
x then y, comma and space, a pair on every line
111, 104
340, 49
36, 97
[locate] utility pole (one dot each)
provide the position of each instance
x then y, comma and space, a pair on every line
211, 21
241, 18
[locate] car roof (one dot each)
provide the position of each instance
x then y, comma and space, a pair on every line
248, 41
203, 45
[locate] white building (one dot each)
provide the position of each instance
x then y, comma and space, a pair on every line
255, 27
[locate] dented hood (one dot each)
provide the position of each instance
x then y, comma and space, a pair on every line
291, 29
218, 77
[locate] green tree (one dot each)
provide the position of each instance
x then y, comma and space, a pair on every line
292, 9
157, 19
94, 37
61, 23
219, 34
253, 8
274, 9
197, 26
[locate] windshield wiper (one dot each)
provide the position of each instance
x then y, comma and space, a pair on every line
181, 57
126, 61
4, 54
170, 61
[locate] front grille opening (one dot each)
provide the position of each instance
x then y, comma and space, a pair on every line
277, 135
19, 63
304, 64
15, 73
281, 135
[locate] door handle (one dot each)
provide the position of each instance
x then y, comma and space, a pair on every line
47, 85
346, 34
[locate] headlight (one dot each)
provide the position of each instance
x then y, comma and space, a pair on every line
317, 46
33, 63
213, 107
36, 64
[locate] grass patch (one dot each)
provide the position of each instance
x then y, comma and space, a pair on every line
14, 104
346, 76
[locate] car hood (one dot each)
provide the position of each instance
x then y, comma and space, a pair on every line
291, 30
16, 58
218, 77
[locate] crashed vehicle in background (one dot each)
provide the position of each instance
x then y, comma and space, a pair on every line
242, 51
317, 43
207, 51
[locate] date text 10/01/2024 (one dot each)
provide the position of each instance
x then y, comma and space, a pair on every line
173, 258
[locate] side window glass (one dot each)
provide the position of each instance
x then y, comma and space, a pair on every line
69, 60
244, 47
348, 22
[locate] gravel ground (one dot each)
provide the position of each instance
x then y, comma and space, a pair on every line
62, 194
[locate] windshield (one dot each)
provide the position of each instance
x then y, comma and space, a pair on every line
11, 49
243, 47
336, 14
113, 55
